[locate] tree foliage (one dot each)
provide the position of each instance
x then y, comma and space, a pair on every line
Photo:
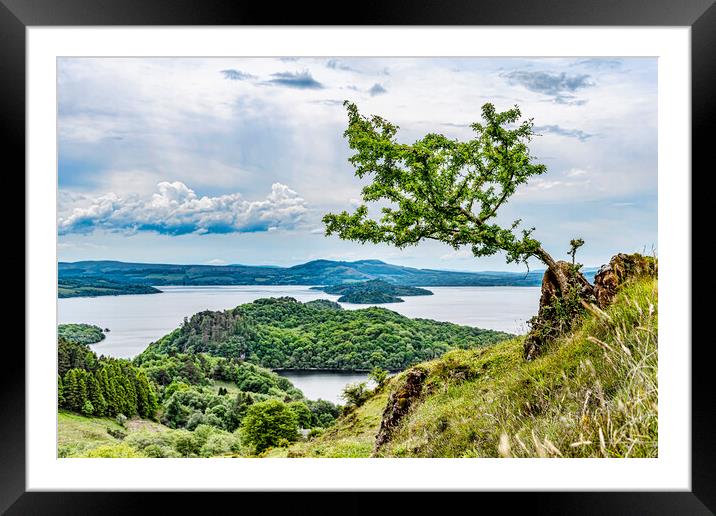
438, 188
80, 333
267, 423
284, 333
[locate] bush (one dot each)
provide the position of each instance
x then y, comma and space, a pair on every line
117, 434
121, 420
219, 443
186, 444
157, 451
267, 422
106, 451
355, 394
378, 375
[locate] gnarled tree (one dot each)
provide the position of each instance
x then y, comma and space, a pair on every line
443, 189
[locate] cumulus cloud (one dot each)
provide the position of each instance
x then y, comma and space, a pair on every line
562, 131
377, 89
300, 80
236, 75
175, 209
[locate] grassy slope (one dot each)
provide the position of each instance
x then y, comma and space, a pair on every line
592, 394
79, 436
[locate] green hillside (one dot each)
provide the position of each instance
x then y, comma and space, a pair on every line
282, 333
593, 393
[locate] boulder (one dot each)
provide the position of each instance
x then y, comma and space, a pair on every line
621, 268
549, 321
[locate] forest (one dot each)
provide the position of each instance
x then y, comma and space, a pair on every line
202, 399
282, 333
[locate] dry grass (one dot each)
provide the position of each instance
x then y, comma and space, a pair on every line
593, 393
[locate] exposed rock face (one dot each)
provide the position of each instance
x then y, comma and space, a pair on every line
399, 404
621, 268
549, 322
557, 311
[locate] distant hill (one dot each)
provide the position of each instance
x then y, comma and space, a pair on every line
373, 292
317, 272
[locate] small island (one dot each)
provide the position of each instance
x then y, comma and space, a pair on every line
372, 292
81, 333
94, 287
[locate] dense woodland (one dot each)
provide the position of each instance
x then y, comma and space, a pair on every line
282, 333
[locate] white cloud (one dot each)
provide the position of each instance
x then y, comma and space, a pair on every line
176, 209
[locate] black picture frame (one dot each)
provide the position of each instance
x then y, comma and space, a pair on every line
699, 15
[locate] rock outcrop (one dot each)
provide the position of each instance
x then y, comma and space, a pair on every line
557, 309
621, 268
399, 404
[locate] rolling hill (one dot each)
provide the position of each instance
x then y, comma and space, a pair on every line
317, 272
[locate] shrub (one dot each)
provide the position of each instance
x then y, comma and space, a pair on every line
121, 450
355, 394
186, 444
87, 408
219, 443
267, 422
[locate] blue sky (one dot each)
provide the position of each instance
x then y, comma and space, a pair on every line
222, 160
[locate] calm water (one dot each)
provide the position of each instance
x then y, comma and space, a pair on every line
137, 320
326, 385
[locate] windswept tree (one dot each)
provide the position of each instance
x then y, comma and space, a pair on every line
443, 189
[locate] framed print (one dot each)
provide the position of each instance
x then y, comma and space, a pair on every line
422, 251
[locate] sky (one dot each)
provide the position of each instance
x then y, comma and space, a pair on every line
226, 161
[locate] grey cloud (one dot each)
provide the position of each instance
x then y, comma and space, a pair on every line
558, 86
300, 80
327, 102
561, 131
237, 75
335, 64
377, 89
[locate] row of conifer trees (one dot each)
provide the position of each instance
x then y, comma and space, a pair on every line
104, 386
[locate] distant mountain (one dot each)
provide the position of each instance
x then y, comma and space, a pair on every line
317, 272
372, 292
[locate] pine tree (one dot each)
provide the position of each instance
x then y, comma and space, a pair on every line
94, 392
73, 391
60, 393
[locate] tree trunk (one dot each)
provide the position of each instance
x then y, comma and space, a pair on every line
556, 270
560, 282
